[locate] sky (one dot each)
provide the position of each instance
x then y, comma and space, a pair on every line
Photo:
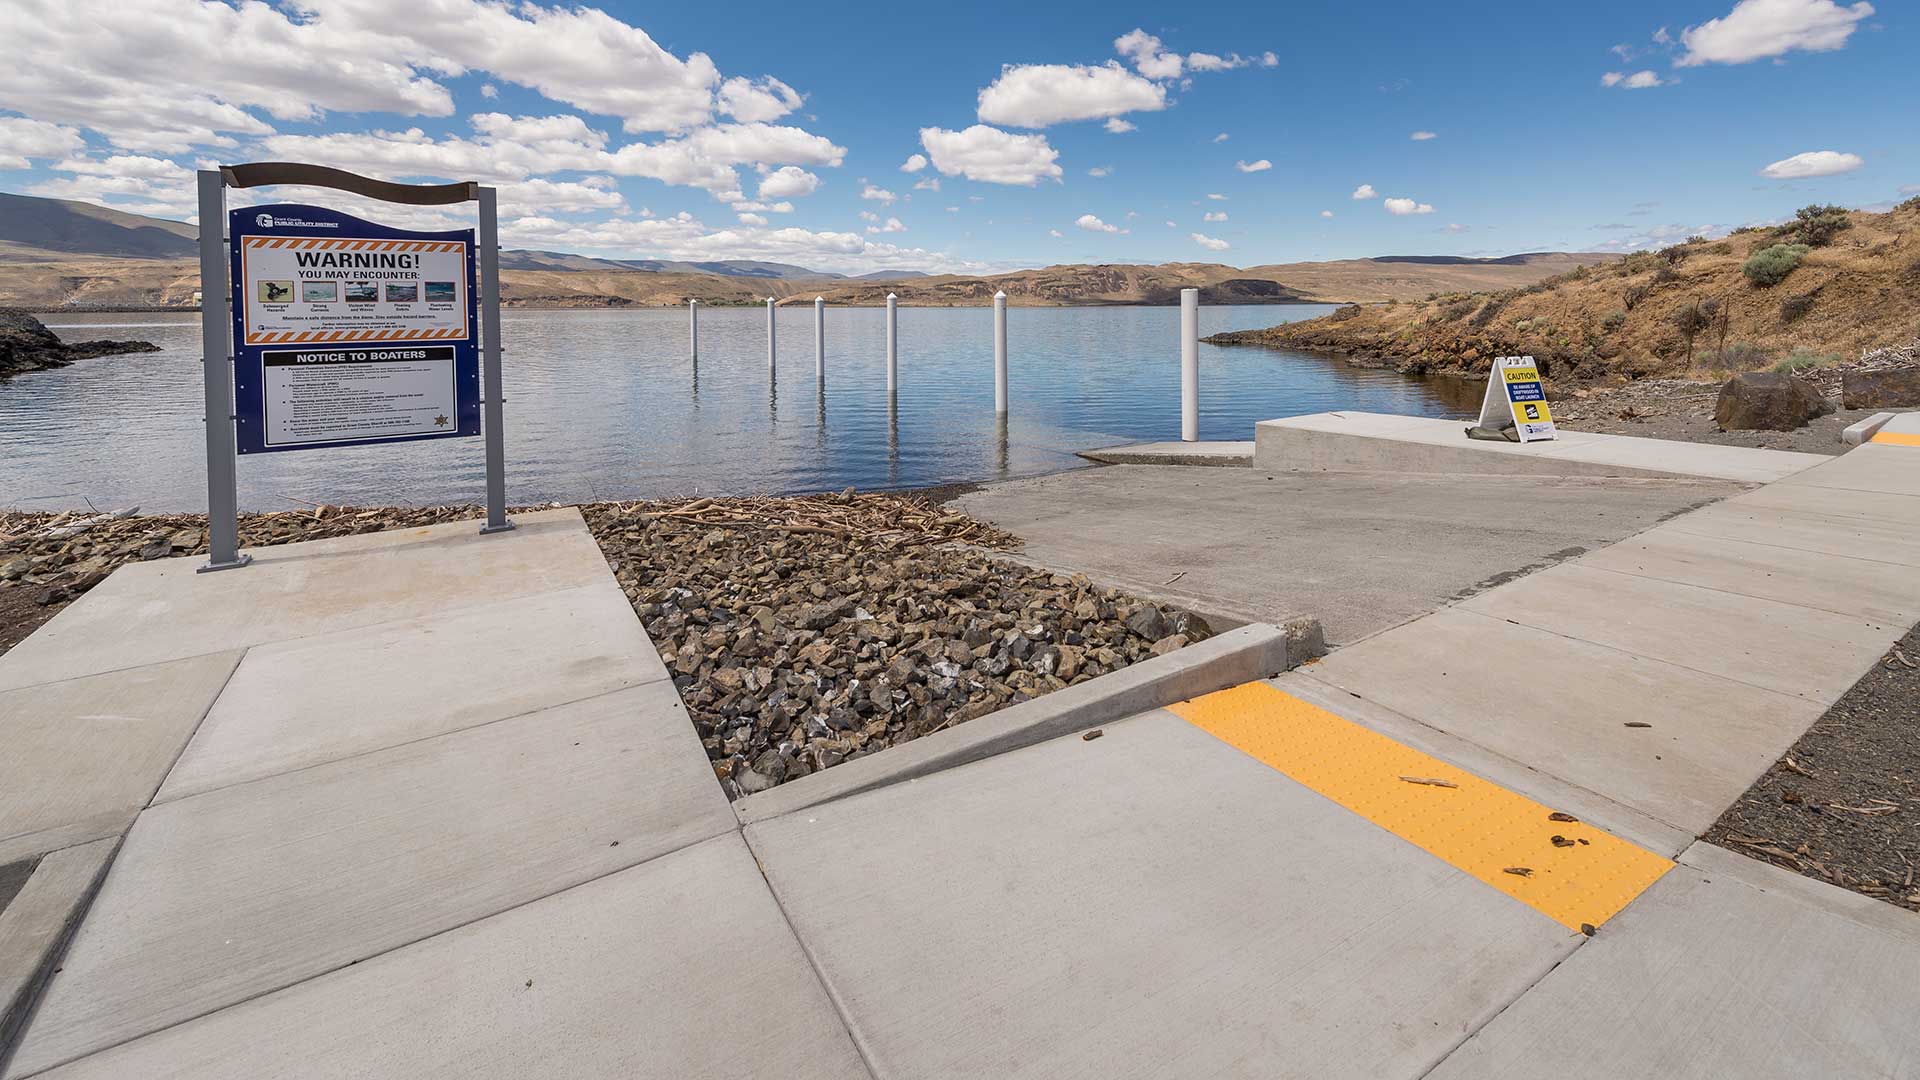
989, 136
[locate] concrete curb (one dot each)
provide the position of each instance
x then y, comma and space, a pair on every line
1254, 651
1232, 455
35, 927
1865, 429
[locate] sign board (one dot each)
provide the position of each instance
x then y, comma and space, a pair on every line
1514, 393
348, 333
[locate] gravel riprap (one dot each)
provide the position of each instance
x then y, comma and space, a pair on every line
806, 632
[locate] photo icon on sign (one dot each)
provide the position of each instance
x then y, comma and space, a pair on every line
363, 292
276, 292
402, 293
1533, 411
319, 292
439, 292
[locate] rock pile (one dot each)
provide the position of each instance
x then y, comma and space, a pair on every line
27, 345
64, 555
798, 644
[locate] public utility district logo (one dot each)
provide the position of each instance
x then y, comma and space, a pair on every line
265, 221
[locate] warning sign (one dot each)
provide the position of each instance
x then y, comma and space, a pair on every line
302, 289
1515, 395
348, 332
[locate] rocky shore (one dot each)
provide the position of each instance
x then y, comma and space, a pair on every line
27, 345
801, 632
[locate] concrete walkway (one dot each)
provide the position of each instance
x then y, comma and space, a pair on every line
437, 812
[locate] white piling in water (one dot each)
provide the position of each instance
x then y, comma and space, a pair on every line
693, 330
893, 343
1190, 365
1000, 353
820, 339
770, 366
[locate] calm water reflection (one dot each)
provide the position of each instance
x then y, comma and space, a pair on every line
605, 404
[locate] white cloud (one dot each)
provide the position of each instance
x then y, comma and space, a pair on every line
1100, 170
1208, 62
927, 183
1756, 29
1210, 243
990, 155
1269, 59
1222, 137
1172, 225
1094, 224
1056, 234
593, 193
1148, 57
489, 91
1326, 213
21, 138
892, 225
1038, 95
1454, 229
1639, 80
1422, 136
1214, 215
788, 182
1404, 207
1253, 166
683, 237
1812, 163
1119, 126
914, 163
757, 102
1216, 196
752, 219
878, 194
758, 207
1365, 191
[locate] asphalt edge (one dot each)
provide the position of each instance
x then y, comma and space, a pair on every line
1250, 652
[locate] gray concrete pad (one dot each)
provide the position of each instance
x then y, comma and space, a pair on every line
1881, 467
79, 758
1150, 903
1240, 655
300, 589
1561, 706
1810, 531
1378, 442
682, 967
1725, 967
1807, 652
1596, 809
1861, 587
220, 897
35, 923
1359, 552
1824, 502
297, 703
1175, 453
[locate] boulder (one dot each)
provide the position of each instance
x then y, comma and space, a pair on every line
1766, 401
1886, 388
27, 345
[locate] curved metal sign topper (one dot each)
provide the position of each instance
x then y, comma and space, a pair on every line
342, 332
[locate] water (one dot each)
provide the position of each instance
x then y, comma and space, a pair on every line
604, 404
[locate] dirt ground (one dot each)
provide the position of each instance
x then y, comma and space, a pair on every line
21, 614
1672, 409
1843, 805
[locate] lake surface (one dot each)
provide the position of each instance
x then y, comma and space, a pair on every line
605, 405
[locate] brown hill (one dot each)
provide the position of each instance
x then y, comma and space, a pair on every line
1697, 307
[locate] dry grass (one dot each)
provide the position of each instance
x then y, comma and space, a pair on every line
1861, 291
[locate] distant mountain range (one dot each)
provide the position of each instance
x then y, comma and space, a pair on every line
55, 253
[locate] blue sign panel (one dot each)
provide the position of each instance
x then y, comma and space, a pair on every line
348, 333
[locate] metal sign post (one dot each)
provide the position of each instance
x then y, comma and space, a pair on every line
322, 330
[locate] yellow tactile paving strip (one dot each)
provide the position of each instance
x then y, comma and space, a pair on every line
1896, 438
1476, 825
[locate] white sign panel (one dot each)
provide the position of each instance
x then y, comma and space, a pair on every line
345, 395
301, 289
1514, 393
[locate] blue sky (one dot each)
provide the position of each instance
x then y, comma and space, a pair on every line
1055, 132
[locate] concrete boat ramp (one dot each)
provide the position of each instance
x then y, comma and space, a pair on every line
425, 804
